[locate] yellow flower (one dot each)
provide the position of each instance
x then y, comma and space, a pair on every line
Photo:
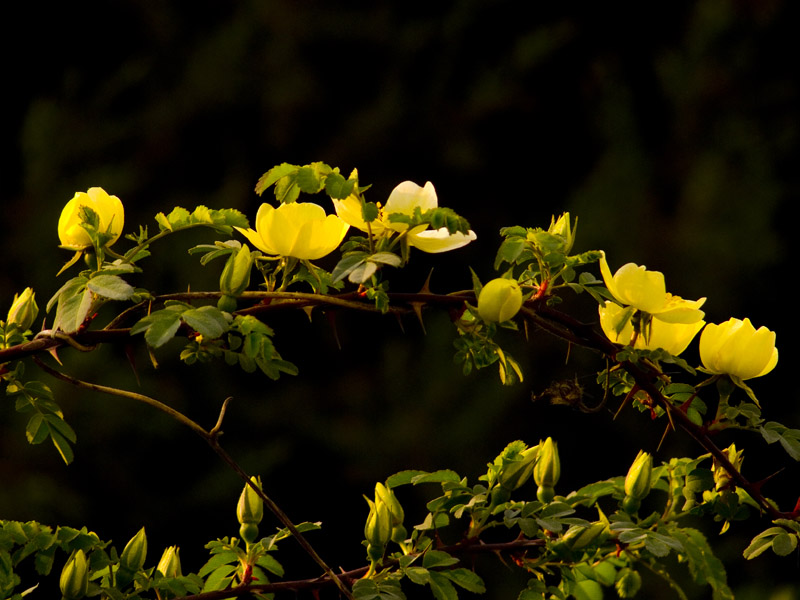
299, 229
644, 290
349, 211
408, 196
672, 337
499, 300
108, 208
736, 348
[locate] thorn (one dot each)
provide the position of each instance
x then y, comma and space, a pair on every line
308, 310
54, 353
331, 316
132, 361
417, 306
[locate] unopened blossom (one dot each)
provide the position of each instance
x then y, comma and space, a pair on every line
110, 213
737, 348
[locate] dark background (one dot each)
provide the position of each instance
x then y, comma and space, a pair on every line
671, 131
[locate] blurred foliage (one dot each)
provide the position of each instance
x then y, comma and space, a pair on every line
671, 129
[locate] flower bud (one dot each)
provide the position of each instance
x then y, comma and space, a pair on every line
250, 511
637, 481
514, 473
170, 563
135, 552
563, 227
499, 300
547, 470
378, 529
722, 479
386, 495
74, 581
23, 310
110, 219
737, 348
236, 274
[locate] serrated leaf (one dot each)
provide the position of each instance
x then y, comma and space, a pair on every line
403, 478
273, 175
469, 580
206, 320
111, 286
62, 445
437, 558
441, 587
219, 578
162, 329
337, 187
268, 562
71, 313
220, 558
703, 565
442, 476
36, 430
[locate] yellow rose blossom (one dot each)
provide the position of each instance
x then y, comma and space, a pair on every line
672, 337
633, 285
109, 211
737, 348
301, 230
349, 211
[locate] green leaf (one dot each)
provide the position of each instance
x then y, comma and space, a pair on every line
784, 544
703, 565
269, 563
219, 578
437, 558
206, 320
338, 187
441, 587
443, 476
273, 175
72, 312
62, 445
111, 286
223, 557
159, 327
469, 580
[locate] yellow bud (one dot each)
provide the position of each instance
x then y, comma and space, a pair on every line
737, 348
74, 580
135, 552
499, 300
638, 481
23, 310
170, 563
250, 509
110, 213
547, 470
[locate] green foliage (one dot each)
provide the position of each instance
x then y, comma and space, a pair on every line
580, 544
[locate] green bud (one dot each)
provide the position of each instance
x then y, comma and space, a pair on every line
547, 470
722, 479
563, 228
236, 274
517, 470
378, 529
23, 310
499, 300
250, 509
74, 581
628, 583
135, 552
170, 563
386, 495
637, 482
